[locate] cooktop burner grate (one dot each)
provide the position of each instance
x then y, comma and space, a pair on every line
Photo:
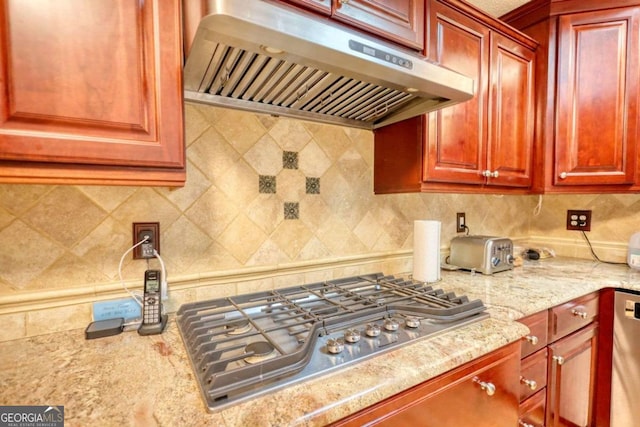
227, 339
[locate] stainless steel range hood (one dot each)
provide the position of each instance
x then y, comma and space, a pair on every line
263, 57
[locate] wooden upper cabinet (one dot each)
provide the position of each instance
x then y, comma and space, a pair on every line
511, 100
588, 71
597, 97
91, 92
486, 141
401, 21
457, 135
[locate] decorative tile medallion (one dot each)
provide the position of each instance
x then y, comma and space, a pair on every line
290, 160
267, 184
291, 210
313, 185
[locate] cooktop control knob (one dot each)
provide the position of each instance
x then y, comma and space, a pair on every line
412, 322
352, 335
391, 324
335, 346
372, 330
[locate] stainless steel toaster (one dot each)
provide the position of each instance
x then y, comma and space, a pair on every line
484, 254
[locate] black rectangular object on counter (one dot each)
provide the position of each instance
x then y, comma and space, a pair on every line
104, 328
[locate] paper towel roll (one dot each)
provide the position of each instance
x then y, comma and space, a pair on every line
426, 251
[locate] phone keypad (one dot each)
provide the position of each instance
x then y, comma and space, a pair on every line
151, 310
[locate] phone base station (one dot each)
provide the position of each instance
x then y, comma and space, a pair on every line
153, 328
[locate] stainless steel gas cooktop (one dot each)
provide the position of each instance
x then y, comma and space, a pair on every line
244, 346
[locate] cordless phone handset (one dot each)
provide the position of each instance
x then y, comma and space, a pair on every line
153, 321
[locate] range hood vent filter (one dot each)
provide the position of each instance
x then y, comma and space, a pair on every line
328, 74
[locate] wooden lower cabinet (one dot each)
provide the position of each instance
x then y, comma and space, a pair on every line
482, 393
560, 355
571, 383
532, 410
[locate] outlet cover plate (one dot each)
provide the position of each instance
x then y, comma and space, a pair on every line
139, 229
579, 220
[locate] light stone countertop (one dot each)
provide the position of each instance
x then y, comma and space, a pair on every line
132, 380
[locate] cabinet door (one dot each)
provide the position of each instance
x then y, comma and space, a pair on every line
510, 141
91, 83
322, 6
597, 97
399, 20
456, 137
571, 383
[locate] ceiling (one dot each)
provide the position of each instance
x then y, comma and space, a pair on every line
497, 7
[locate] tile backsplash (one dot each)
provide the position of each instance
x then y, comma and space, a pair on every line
263, 194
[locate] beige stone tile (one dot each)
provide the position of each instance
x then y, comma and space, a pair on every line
314, 249
368, 230
66, 215
260, 285
196, 185
196, 122
5, 217
216, 291
291, 185
290, 134
19, 266
213, 212
339, 238
183, 240
214, 258
267, 212
40, 322
146, 205
291, 236
14, 326
241, 129
70, 271
312, 161
269, 253
313, 210
17, 199
332, 139
240, 183
107, 197
212, 154
242, 238
265, 157
103, 247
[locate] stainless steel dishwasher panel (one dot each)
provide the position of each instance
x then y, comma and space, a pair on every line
625, 376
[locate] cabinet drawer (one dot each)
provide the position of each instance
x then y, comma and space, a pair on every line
532, 410
567, 318
533, 374
537, 338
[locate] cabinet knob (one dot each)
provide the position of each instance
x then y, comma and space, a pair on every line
495, 174
529, 383
578, 313
563, 175
523, 424
343, 1
489, 388
532, 339
559, 360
